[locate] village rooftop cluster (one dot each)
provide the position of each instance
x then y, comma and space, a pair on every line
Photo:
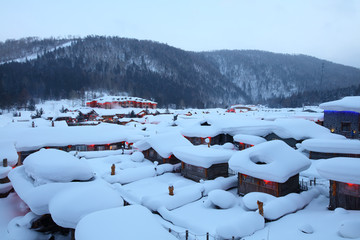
136, 172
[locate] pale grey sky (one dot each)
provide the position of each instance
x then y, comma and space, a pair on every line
327, 29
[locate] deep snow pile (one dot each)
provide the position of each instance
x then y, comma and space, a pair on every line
340, 169
71, 204
131, 222
273, 161
202, 155
51, 165
350, 146
345, 104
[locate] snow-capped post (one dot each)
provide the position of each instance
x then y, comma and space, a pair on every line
113, 170
52, 123
187, 235
207, 236
5, 162
207, 140
260, 206
171, 190
33, 124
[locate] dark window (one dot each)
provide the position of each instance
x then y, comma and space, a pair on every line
345, 126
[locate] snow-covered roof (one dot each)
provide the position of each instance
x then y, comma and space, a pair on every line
65, 115
164, 143
201, 131
278, 161
248, 139
346, 104
346, 146
340, 169
202, 155
35, 138
7, 150
52, 165
131, 222
71, 204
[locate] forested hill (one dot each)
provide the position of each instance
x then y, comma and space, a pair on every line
65, 68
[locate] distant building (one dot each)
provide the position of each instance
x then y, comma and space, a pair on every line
343, 116
109, 102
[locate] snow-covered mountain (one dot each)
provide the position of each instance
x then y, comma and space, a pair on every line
68, 67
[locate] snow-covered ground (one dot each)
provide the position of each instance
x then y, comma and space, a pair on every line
93, 203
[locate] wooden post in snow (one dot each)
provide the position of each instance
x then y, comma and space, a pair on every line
113, 170
261, 208
171, 190
5, 162
33, 124
52, 123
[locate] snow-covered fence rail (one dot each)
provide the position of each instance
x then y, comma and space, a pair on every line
187, 235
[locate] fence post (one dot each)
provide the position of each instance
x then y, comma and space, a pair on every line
207, 236
233, 238
314, 181
33, 124
5, 162
260, 206
171, 190
169, 230
113, 169
187, 235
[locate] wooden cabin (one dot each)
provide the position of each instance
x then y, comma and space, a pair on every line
247, 184
159, 147
330, 148
343, 116
343, 174
153, 156
256, 174
202, 162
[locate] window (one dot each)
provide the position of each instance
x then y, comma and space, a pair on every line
345, 126
81, 148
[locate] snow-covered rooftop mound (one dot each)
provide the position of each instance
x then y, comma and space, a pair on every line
345, 104
132, 222
349, 146
248, 139
70, 205
8, 151
341, 169
273, 161
51, 165
163, 143
202, 155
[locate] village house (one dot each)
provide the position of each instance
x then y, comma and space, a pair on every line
330, 148
204, 133
343, 116
203, 162
271, 167
344, 177
110, 102
159, 147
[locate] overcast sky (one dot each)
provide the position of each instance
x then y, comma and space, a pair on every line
327, 29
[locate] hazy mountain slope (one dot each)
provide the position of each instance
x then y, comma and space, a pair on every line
166, 74
266, 75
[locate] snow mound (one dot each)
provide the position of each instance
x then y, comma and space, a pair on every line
342, 169
250, 199
221, 199
246, 224
51, 165
288, 204
137, 157
132, 222
274, 161
70, 205
345, 104
8, 151
129, 175
350, 229
307, 228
